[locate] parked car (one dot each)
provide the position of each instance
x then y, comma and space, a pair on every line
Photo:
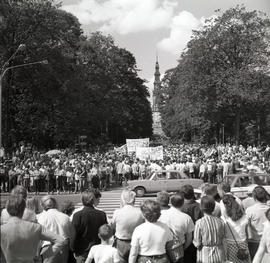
244, 183
163, 180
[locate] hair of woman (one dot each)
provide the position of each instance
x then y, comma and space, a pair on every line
233, 209
151, 210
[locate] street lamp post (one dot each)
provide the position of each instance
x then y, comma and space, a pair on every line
3, 72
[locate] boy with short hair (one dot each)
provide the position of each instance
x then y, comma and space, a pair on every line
104, 252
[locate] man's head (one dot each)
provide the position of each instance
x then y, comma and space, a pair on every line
163, 198
128, 197
16, 205
260, 194
223, 188
88, 198
187, 191
48, 202
177, 200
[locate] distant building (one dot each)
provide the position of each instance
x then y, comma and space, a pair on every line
157, 127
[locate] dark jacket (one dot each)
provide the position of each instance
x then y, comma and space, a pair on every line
86, 224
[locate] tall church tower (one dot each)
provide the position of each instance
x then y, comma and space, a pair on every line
157, 128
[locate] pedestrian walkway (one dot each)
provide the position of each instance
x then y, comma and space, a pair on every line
111, 200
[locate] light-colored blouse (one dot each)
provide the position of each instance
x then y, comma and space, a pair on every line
151, 238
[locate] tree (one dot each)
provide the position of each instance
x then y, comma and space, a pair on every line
90, 86
221, 77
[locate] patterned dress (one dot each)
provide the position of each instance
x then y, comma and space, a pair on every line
208, 238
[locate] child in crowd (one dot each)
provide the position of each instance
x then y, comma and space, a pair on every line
104, 252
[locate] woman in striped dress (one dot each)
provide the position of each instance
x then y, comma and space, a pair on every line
236, 224
209, 234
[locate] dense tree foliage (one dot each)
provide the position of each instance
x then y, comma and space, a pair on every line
90, 86
221, 82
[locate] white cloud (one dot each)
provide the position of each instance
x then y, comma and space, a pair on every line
124, 16
181, 31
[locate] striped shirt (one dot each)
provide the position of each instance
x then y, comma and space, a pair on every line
208, 238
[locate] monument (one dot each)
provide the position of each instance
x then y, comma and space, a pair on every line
157, 127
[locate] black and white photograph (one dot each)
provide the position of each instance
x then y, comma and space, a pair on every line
135, 131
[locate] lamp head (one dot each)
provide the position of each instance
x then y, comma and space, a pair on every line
21, 47
44, 62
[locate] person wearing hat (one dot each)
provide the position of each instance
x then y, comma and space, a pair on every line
124, 221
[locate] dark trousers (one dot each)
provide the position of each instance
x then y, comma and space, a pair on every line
12, 182
36, 185
190, 254
26, 184
3, 182
50, 185
123, 247
59, 183
253, 247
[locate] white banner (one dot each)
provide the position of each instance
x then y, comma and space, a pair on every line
132, 144
152, 153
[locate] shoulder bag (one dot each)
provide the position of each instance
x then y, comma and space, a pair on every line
174, 249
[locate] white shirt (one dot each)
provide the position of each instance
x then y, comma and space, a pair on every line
179, 222
56, 222
202, 168
103, 254
257, 218
125, 220
151, 238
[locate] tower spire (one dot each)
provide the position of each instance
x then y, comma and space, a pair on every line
157, 73
157, 127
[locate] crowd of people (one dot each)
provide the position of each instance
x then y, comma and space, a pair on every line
71, 172
217, 228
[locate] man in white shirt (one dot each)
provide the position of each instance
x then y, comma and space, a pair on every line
257, 218
124, 221
180, 223
58, 223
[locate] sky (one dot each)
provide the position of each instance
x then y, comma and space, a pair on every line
150, 27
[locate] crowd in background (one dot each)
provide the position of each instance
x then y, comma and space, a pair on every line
68, 171
218, 228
